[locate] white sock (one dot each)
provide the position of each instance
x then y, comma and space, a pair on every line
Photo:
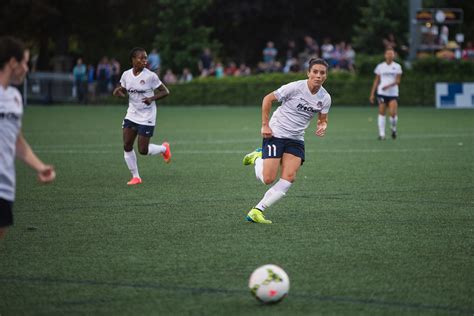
131, 161
155, 149
259, 169
275, 193
381, 123
393, 122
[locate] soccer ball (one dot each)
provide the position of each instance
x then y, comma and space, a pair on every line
269, 284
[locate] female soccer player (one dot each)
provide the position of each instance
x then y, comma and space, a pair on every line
387, 78
283, 136
143, 88
13, 69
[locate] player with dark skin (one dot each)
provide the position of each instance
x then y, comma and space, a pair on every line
139, 62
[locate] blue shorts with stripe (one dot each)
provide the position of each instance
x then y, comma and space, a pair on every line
143, 130
275, 147
385, 99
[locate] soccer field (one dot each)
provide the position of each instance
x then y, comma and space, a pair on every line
369, 227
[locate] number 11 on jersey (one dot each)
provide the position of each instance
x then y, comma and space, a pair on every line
270, 147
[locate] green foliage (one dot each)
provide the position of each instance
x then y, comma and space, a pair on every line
378, 19
449, 69
180, 39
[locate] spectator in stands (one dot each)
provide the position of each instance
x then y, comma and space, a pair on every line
91, 83
349, 57
230, 69
327, 50
269, 57
103, 75
186, 76
170, 77
80, 80
389, 42
115, 68
468, 52
205, 63
154, 61
243, 70
219, 70
311, 47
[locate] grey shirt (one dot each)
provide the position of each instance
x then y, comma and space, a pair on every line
11, 112
298, 107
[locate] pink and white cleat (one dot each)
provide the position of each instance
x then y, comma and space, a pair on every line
167, 154
134, 181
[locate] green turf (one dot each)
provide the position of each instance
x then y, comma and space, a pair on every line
369, 227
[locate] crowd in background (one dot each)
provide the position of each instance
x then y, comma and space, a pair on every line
98, 80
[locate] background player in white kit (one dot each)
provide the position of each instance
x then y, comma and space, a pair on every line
283, 136
387, 79
13, 68
143, 88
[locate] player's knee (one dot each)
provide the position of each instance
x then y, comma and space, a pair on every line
143, 151
268, 179
128, 147
289, 177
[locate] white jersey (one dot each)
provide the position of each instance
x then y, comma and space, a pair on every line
298, 107
11, 112
388, 74
139, 87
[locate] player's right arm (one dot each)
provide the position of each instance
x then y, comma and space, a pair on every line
266, 108
120, 92
374, 87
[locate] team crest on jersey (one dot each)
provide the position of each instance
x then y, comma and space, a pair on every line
142, 81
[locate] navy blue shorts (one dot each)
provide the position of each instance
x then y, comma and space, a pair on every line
274, 147
143, 130
6, 213
385, 99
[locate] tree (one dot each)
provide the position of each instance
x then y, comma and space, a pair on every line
378, 19
180, 39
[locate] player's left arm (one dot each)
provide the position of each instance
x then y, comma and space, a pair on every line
160, 93
322, 124
24, 152
395, 83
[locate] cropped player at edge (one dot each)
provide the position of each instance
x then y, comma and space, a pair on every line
143, 88
283, 136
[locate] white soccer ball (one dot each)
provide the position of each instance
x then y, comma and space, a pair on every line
269, 284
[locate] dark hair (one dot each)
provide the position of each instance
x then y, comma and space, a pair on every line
317, 61
134, 52
10, 47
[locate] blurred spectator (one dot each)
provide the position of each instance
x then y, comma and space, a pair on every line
219, 70
243, 70
230, 69
327, 49
80, 79
186, 76
389, 41
444, 36
115, 68
311, 47
269, 53
468, 52
269, 58
170, 77
103, 73
154, 61
91, 84
291, 61
292, 65
349, 57
205, 63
